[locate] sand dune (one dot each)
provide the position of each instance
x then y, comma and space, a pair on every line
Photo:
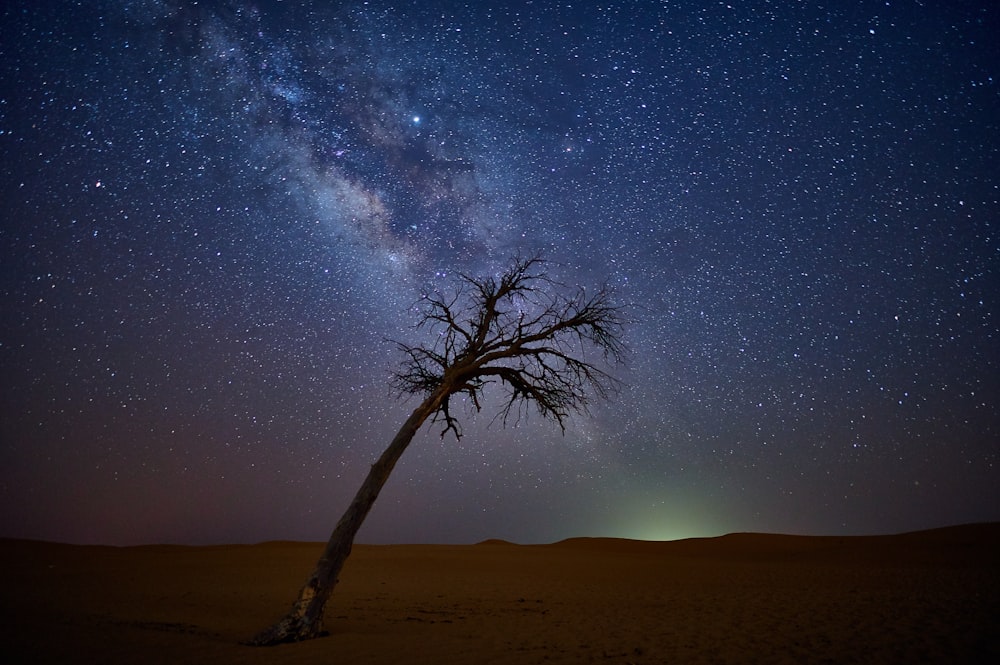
926, 597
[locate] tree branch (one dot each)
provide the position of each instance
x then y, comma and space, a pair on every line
522, 330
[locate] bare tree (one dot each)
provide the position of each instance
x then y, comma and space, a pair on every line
541, 346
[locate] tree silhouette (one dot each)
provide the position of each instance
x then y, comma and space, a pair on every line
541, 345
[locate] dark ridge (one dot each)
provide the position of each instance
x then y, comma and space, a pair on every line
978, 540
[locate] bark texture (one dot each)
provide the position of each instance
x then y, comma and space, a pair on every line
304, 620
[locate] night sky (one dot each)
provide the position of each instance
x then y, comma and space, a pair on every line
217, 217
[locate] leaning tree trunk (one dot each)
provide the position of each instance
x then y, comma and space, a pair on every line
305, 620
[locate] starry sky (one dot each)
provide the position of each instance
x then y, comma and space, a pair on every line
217, 216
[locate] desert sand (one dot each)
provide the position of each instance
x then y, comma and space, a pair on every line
927, 597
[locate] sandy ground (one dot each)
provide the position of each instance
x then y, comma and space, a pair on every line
929, 597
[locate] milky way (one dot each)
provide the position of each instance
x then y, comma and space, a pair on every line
218, 216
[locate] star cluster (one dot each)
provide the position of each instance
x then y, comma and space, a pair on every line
217, 217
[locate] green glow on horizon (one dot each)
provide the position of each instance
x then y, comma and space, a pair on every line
672, 517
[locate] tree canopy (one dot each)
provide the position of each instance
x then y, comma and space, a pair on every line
545, 346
